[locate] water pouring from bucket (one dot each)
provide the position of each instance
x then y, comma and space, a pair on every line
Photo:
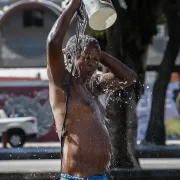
101, 13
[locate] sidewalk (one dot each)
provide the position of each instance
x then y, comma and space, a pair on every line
57, 144
37, 144
173, 142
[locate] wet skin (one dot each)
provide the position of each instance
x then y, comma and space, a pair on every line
87, 145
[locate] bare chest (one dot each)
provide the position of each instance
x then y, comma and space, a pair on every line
84, 101
81, 104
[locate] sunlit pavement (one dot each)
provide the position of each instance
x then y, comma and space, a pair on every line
173, 142
57, 144
54, 165
35, 144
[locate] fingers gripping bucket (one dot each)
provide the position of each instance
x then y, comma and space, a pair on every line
101, 13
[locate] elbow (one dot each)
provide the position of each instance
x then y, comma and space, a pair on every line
51, 43
50, 40
54, 39
133, 79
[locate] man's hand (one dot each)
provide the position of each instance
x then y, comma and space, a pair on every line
119, 77
120, 70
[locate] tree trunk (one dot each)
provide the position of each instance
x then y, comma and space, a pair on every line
118, 128
128, 41
156, 129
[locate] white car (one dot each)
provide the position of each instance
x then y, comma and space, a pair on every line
18, 129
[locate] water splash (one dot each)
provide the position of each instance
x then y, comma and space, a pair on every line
82, 19
73, 51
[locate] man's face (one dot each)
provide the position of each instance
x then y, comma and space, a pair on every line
88, 61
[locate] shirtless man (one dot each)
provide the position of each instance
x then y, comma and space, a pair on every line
87, 147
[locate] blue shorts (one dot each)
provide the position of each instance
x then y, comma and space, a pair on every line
69, 177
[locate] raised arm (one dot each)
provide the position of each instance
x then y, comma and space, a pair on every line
55, 58
119, 77
118, 69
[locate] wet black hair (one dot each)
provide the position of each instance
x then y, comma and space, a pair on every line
83, 41
74, 50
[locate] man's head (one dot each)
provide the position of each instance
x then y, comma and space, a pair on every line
86, 54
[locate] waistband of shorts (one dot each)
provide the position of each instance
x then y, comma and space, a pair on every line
70, 177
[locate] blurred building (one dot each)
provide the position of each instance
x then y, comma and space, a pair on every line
156, 52
157, 48
9, 2
24, 28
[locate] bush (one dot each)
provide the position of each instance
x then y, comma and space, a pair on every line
173, 128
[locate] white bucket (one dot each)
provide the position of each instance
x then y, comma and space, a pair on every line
101, 13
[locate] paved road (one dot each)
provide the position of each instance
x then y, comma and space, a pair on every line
57, 144
32, 144
54, 165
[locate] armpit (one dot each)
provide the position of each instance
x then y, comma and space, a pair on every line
60, 84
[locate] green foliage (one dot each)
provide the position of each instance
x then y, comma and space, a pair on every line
172, 127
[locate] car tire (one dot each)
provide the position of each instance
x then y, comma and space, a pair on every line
16, 138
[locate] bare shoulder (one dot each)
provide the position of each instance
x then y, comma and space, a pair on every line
56, 95
61, 80
57, 91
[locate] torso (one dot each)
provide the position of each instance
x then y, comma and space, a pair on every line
87, 145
